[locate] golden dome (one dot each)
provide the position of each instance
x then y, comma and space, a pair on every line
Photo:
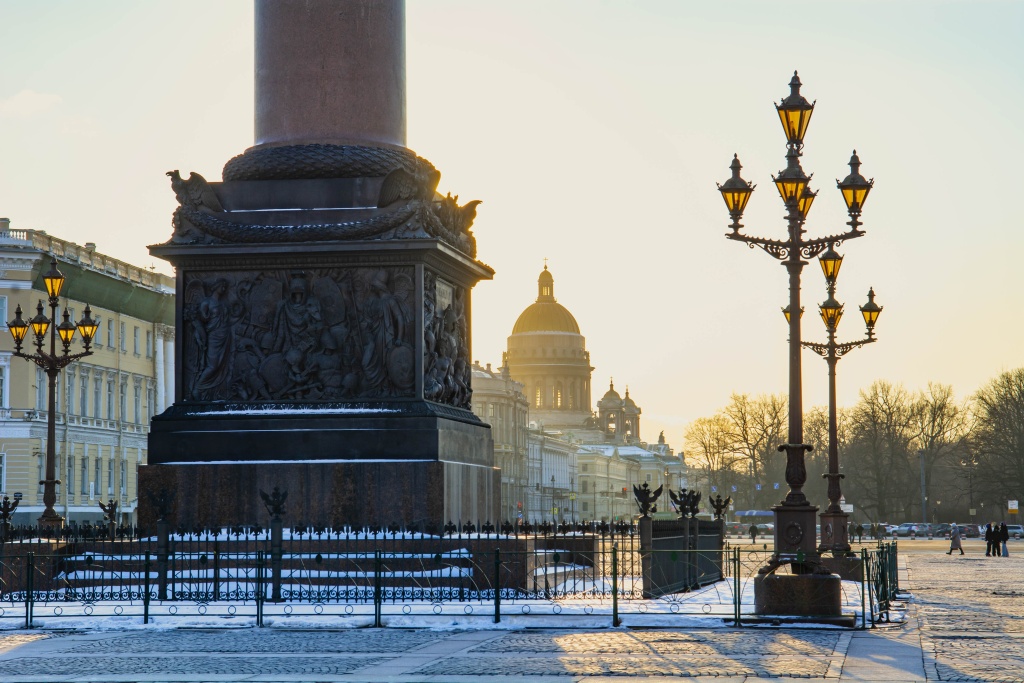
546, 314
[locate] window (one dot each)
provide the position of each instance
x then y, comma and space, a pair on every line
3, 308
69, 479
149, 343
3, 471
537, 397
648, 479
97, 480
123, 394
42, 470
110, 333
585, 506
71, 391
110, 399
135, 341
3, 386
138, 404
97, 390
585, 467
98, 337
83, 395
110, 476
150, 407
490, 411
40, 390
124, 341
583, 486
124, 478
85, 474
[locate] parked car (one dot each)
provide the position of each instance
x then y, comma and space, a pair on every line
909, 529
971, 531
1015, 530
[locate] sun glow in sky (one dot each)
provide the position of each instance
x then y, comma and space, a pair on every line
594, 132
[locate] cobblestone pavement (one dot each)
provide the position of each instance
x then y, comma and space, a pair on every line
971, 615
964, 625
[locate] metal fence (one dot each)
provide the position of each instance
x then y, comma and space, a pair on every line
379, 577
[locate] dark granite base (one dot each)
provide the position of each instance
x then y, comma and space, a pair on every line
848, 568
323, 494
801, 595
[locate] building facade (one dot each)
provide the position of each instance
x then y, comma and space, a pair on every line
105, 400
499, 401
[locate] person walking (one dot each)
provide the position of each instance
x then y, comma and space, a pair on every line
753, 533
1004, 536
988, 539
954, 539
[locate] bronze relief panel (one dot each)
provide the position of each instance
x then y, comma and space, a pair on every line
325, 334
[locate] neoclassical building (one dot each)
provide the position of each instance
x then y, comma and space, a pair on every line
105, 400
548, 355
582, 463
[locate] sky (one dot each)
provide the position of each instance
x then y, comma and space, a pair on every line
594, 134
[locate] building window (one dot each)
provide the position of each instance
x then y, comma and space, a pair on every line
648, 479
124, 478
135, 341
71, 391
3, 308
490, 411
123, 395
40, 390
123, 338
97, 338
585, 467
3, 472
150, 407
83, 396
583, 486
110, 399
110, 476
84, 490
42, 470
69, 479
97, 480
138, 404
110, 333
557, 395
149, 343
3, 386
97, 391
585, 506
537, 397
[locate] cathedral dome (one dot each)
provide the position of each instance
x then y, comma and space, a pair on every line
546, 314
611, 398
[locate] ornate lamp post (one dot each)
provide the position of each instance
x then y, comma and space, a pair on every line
794, 517
834, 522
52, 363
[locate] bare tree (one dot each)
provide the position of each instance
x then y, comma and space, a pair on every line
707, 440
999, 437
883, 426
816, 434
943, 426
756, 430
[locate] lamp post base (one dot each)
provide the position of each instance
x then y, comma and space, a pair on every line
50, 520
834, 532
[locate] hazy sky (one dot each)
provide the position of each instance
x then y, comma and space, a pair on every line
594, 132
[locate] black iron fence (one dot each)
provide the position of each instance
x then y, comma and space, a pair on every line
379, 577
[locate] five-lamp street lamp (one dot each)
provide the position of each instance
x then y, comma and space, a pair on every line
795, 538
834, 522
52, 363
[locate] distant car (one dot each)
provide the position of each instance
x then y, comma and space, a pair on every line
908, 529
1015, 530
970, 531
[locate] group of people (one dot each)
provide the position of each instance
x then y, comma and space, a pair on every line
995, 540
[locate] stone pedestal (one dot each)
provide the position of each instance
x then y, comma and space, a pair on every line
835, 532
798, 595
795, 537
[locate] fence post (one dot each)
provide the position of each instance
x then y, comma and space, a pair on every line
30, 570
377, 593
615, 584
260, 590
863, 588
163, 532
145, 588
737, 587
276, 554
497, 585
870, 579
646, 545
